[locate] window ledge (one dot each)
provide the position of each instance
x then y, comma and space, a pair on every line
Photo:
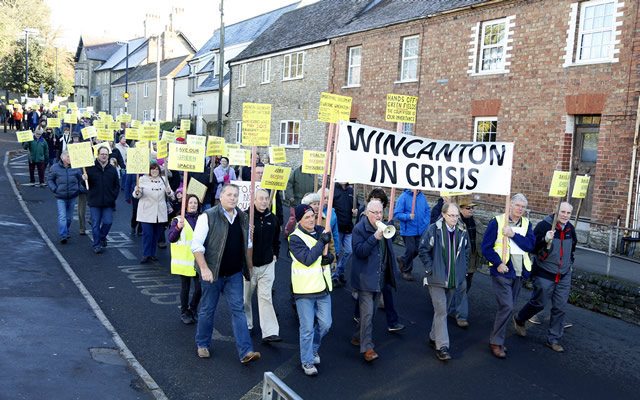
293, 79
494, 72
408, 81
591, 62
290, 146
350, 86
265, 83
245, 85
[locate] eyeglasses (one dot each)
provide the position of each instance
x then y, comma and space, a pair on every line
452, 215
376, 212
469, 208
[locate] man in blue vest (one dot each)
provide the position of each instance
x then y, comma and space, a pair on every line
413, 223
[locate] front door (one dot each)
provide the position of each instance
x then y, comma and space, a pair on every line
585, 154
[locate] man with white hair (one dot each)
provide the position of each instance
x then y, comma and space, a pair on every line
507, 270
554, 256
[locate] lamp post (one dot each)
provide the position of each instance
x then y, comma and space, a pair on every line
27, 31
126, 77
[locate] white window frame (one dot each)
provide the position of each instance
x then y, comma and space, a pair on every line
502, 44
159, 114
82, 78
242, 75
238, 132
145, 89
266, 71
477, 45
483, 119
145, 115
160, 93
582, 32
200, 108
351, 74
179, 109
286, 133
152, 114
409, 58
407, 128
287, 66
99, 78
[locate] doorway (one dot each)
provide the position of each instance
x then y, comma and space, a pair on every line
585, 155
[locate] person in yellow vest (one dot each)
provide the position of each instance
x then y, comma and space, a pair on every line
507, 273
183, 261
311, 283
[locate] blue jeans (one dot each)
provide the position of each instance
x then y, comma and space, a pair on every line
345, 254
205, 207
310, 309
65, 216
233, 290
151, 233
101, 220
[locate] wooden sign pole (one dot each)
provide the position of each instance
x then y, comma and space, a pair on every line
251, 208
505, 240
327, 224
326, 169
184, 194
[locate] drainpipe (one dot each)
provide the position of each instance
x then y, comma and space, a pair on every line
633, 167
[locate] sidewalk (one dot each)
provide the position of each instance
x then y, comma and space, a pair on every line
596, 263
54, 346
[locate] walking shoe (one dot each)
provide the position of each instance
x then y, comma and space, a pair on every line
97, 250
521, 330
103, 242
407, 276
316, 358
271, 339
309, 369
555, 347
396, 327
341, 279
443, 354
251, 356
132, 231
498, 351
567, 325
381, 303
83, 233
370, 355
63, 240
462, 323
336, 283
145, 260
162, 245
186, 318
535, 320
400, 263
355, 341
194, 315
203, 352
153, 258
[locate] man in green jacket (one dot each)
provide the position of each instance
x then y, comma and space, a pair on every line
38, 156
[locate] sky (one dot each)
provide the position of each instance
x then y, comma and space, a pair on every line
123, 19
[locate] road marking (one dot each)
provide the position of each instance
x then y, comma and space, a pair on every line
153, 281
255, 393
127, 254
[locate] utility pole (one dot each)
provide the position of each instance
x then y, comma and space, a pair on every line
126, 82
27, 31
55, 90
158, 78
221, 69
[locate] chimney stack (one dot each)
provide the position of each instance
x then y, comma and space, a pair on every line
152, 25
176, 19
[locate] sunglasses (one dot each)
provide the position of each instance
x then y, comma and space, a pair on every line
469, 208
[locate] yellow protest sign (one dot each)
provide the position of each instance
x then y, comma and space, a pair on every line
228, 147
168, 136
185, 124
35, 107
580, 187
108, 118
559, 184
162, 147
215, 146
138, 160
24, 136
80, 154
86, 114
239, 157
73, 105
124, 118
102, 114
401, 108
114, 125
63, 109
183, 157
105, 134
313, 162
10, 101
135, 123
131, 134
197, 188
275, 177
277, 155
53, 122
195, 140
1, 97
89, 132
334, 108
98, 146
71, 118
180, 133
256, 124
149, 133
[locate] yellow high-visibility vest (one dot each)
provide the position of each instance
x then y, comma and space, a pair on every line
497, 246
309, 279
182, 259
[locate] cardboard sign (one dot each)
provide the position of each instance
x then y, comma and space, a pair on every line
71, 118
334, 108
559, 184
115, 125
138, 160
135, 124
195, 140
277, 155
239, 157
53, 122
80, 154
149, 133
401, 108
108, 118
275, 177
86, 114
131, 134
215, 146
63, 110
98, 146
124, 118
24, 136
185, 124
256, 124
244, 198
102, 114
105, 134
313, 162
180, 133
183, 157
162, 149
168, 136
197, 188
580, 187
73, 105
89, 132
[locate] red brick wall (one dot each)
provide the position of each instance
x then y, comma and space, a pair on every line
532, 100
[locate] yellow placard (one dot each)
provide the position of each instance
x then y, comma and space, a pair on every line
559, 184
24, 136
86, 114
401, 108
215, 146
138, 160
453, 194
180, 133
98, 146
102, 115
195, 140
162, 149
73, 105
124, 118
580, 187
275, 177
334, 108
185, 124
239, 157
228, 147
89, 132
135, 123
183, 157
131, 134
53, 122
168, 136
35, 107
105, 134
197, 188
277, 155
11, 101
313, 162
71, 118
256, 124
149, 133
108, 118
81, 154
114, 125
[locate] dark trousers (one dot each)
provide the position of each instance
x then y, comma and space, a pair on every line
184, 293
389, 309
411, 244
32, 169
150, 235
506, 291
134, 215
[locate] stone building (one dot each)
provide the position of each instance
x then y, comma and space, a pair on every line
90, 54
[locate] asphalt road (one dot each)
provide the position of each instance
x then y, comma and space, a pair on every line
601, 360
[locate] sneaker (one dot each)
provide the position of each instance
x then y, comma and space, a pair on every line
396, 327
194, 315
463, 323
535, 320
251, 356
555, 347
309, 369
316, 358
370, 355
97, 250
443, 354
498, 351
271, 339
567, 325
153, 258
521, 330
186, 318
203, 352
407, 276
103, 242
63, 240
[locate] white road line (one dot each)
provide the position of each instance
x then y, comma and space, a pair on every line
127, 254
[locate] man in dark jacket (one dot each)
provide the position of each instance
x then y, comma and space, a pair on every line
554, 256
372, 268
345, 211
298, 185
266, 247
104, 187
65, 183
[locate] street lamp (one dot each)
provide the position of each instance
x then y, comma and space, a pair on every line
126, 78
27, 31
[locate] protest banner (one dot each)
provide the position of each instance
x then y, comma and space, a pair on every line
334, 108
239, 157
131, 134
53, 122
195, 140
580, 187
24, 136
215, 146
62, 110
162, 147
401, 108
197, 188
86, 114
183, 157
105, 134
256, 124
138, 160
185, 124
135, 124
277, 155
124, 118
275, 177
149, 133
227, 147
89, 108
89, 132
313, 162
379, 157
80, 154
453, 194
